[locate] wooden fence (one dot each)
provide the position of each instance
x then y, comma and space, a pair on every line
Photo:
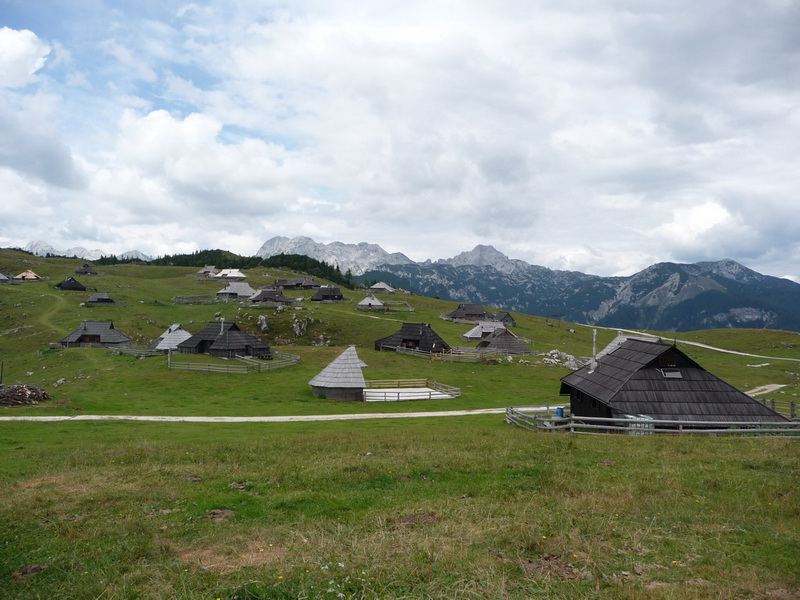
642, 426
441, 388
787, 408
442, 356
245, 365
133, 351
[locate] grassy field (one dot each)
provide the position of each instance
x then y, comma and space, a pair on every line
462, 507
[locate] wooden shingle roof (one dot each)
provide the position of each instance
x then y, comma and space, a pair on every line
343, 372
502, 340
656, 379
414, 335
102, 329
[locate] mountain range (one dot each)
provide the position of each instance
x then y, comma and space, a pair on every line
41, 248
664, 297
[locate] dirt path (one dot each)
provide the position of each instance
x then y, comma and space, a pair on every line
278, 419
699, 345
58, 302
765, 389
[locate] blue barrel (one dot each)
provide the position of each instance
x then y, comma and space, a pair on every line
560, 412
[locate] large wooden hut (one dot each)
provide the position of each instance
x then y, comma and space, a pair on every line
414, 336
95, 334
342, 379
224, 340
653, 379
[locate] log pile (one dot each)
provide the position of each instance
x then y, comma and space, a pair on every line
21, 395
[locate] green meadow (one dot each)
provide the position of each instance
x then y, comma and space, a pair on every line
456, 507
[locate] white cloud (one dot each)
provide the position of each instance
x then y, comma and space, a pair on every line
22, 54
599, 138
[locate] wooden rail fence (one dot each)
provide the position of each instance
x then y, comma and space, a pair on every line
642, 426
787, 408
245, 365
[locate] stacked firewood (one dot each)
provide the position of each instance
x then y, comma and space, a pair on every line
22, 394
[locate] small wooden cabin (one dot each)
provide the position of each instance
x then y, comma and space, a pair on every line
71, 284
342, 379
414, 336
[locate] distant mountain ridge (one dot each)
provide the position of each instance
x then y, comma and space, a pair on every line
664, 296
41, 248
356, 258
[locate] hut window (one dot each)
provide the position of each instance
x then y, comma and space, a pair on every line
672, 373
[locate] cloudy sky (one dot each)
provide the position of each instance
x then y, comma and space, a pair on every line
596, 136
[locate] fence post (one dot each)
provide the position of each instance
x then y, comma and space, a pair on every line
792, 409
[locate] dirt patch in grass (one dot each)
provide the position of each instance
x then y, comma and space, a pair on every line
417, 520
552, 566
226, 558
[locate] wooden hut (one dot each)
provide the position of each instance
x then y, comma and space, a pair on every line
481, 330
381, 288
327, 294
71, 284
236, 290
342, 379
653, 379
27, 275
414, 336
502, 341
169, 340
224, 340
95, 334
470, 312
85, 270
270, 296
505, 318
99, 298
371, 303
298, 283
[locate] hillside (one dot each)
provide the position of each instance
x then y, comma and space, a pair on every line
383, 508
33, 315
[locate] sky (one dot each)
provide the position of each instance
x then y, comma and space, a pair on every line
599, 136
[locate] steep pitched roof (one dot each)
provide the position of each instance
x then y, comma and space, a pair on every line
502, 340
100, 298
102, 329
343, 372
85, 270
270, 296
174, 335
371, 302
481, 330
71, 284
237, 288
221, 336
327, 293
382, 287
641, 377
27, 275
230, 274
472, 312
414, 335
